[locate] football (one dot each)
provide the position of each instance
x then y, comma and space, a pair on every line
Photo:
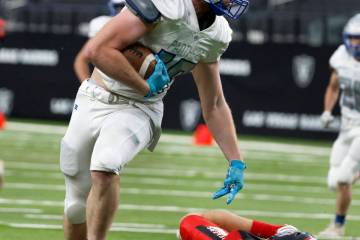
141, 58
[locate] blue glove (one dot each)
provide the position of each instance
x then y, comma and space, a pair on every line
234, 181
159, 79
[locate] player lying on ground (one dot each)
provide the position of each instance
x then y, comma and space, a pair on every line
224, 225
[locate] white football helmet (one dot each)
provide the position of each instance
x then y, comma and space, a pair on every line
352, 30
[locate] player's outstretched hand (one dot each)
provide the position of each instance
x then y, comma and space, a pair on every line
234, 181
326, 118
159, 80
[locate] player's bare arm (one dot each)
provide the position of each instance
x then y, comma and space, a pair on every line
331, 95
332, 92
228, 220
104, 50
81, 66
216, 111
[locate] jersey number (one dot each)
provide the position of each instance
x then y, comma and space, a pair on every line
174, 64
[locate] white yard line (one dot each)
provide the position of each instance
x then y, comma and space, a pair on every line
20, 210
178, 209
172, 138
188, 194
166, 182
171, 172
113, 229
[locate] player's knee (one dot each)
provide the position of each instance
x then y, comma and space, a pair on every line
75, 211
339, 176
77, 190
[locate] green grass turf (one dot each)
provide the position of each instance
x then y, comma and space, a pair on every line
157, 189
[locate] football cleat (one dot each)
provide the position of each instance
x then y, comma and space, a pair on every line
333, 231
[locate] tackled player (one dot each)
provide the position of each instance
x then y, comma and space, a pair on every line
117, 113
219, 224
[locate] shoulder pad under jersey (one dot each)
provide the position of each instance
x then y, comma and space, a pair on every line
144, 9
172, 9
339, 57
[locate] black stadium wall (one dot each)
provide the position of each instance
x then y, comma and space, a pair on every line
272, 89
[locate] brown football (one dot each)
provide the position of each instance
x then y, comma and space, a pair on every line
141, 58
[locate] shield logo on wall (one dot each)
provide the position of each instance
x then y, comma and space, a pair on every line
190, 112
303, 69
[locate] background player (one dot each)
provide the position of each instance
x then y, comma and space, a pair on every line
345, 155
219, 224
81, 63
117, 113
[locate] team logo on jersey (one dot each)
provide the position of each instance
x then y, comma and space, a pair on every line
303, 69
190, 112
6, 100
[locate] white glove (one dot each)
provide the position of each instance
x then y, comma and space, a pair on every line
326, 118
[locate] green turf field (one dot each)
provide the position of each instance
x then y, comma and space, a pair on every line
285, 183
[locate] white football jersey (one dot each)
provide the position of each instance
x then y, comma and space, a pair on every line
97, 24
179, 42
348, 70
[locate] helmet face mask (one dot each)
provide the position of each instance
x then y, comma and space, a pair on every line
352, 31
231, 8
293, 236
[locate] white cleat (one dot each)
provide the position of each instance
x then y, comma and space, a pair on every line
333, 231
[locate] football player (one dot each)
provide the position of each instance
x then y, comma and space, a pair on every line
345, 155
224, 225
81, 63
117, 113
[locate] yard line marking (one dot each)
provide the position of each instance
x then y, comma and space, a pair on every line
172, 138
194, 194
176, 182
182, 183
167, 172
177, 209
20, 210
115, 224
113, 228
250, 150
35, 128
239, 212
43, 216
30, 202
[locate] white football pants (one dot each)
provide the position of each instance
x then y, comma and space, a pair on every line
105, 132
345, 158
